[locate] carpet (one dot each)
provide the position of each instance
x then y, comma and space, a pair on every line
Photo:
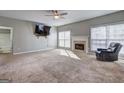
59, 66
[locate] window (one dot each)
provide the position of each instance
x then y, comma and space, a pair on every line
102, 36
64, 39
98, 38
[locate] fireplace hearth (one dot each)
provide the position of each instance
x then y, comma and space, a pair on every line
79, 46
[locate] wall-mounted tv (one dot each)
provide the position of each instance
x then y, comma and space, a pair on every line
42, 30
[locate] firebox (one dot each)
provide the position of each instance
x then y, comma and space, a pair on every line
79, 46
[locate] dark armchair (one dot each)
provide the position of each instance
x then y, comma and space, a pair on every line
110, 54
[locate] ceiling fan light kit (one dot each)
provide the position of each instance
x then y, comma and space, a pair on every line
56, 17
56, 14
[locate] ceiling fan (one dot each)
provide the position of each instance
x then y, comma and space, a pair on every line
56, 14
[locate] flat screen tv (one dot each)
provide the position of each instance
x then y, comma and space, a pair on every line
42, 30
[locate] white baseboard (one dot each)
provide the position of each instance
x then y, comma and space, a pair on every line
32, 51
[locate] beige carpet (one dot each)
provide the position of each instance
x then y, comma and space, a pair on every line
58, 66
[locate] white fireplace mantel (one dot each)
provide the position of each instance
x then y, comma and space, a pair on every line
80, 39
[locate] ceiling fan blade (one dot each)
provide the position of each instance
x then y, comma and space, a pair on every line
49, 15
63, 13
62, 17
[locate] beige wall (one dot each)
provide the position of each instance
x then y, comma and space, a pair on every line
23, 38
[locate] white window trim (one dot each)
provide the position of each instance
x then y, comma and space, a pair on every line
64, 39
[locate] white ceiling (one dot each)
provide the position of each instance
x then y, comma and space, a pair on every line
39, 15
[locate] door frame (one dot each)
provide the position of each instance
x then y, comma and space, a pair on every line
11, 35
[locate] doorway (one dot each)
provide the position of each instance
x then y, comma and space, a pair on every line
6, 39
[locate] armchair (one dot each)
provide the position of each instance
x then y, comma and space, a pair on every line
110, 54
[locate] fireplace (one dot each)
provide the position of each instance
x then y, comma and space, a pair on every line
80, 43
79, 46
